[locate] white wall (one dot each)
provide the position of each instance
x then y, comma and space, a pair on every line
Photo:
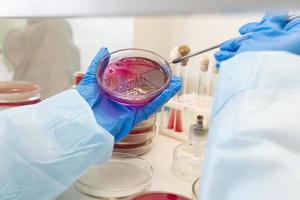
161, 34
90, 34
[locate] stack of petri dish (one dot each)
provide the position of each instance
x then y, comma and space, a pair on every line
18, 93
140, 139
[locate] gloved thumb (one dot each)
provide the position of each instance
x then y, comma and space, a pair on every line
90, 75
269, 21
88, 87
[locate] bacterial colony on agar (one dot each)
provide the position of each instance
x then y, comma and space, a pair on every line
134, 76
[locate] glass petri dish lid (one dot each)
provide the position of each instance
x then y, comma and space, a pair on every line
196, 189
157, 196
17, 93
187, 162
122, 176
133, 77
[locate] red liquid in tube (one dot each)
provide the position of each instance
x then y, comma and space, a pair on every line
178, 122
171, 119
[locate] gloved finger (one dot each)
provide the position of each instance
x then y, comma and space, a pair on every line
276, 21
164, 97
248, 28
233, 44
281, 17
293, 25
223, 55
102, 53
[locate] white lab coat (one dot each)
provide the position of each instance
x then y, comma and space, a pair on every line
253, 150
44, 148
43, 52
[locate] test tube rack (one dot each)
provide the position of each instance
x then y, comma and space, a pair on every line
190, 106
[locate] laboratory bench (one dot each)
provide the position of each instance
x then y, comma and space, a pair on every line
160, 157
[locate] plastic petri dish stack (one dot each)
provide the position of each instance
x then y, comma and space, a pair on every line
140, 139
122, 176
157, 196
18, 93
196, 189
133, 77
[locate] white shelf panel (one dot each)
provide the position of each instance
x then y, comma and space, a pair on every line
87, 8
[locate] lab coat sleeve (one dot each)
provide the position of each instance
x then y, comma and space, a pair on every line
45, 147
253, 150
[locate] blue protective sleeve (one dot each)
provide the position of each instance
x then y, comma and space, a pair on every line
44, 148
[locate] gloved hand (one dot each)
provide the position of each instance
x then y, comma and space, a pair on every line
118, 119
274, 33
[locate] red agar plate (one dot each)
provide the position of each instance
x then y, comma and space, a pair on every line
133, 77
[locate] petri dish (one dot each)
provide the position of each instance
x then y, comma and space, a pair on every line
157, 196
135, 149
123, 175
18, 93
138, 138
141, 130
187, 164
196, 189
150, 122
78, 76
133, 77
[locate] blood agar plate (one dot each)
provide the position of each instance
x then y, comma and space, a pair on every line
136, 149
133, 77
138, 138
121, 176
158, 196
142, 130
18, 93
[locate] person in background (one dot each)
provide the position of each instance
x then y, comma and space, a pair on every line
43, 52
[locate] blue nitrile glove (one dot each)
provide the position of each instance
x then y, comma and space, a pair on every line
114, 117
273, 33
